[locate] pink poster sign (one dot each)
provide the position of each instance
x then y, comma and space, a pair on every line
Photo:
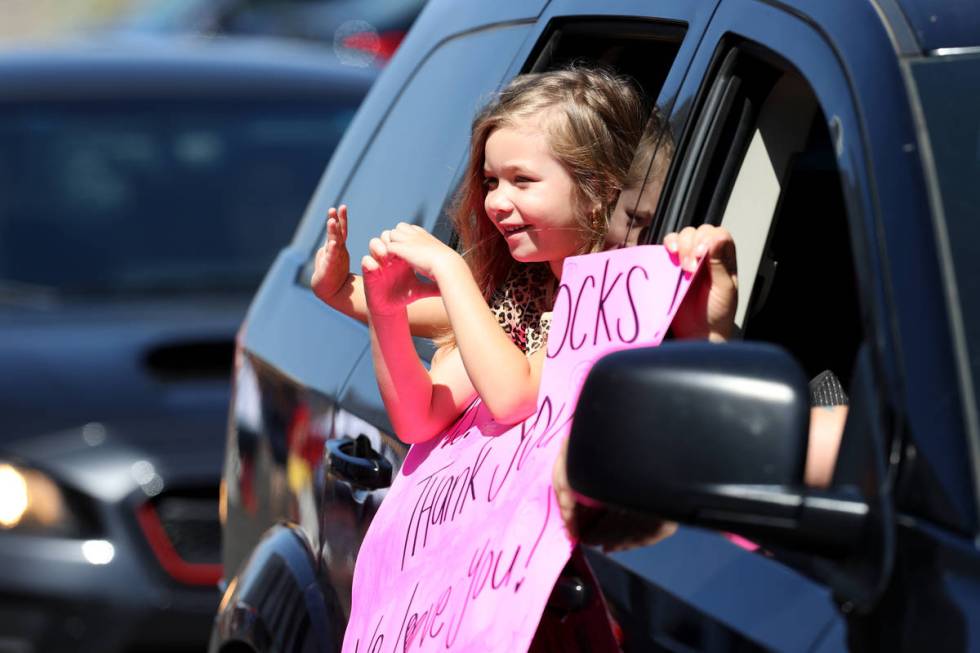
464, 551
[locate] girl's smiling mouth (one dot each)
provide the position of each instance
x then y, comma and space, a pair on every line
514, 229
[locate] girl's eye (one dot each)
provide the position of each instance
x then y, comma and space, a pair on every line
489, 183
523, 180
639, 218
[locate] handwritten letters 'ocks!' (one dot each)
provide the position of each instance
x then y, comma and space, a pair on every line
464, 551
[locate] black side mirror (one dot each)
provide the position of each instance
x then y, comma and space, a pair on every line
708, 435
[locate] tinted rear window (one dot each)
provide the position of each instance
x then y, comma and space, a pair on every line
152, 196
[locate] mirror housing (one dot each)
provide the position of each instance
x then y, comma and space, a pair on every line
708, 435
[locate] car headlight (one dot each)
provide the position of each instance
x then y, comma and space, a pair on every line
30, 501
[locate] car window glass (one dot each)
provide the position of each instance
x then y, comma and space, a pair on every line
408, 171
127, 197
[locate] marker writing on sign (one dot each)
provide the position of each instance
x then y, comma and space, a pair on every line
442, 496
490, 569
537, 431
377, 640
485, 572
590, 298
462, 427
423, 625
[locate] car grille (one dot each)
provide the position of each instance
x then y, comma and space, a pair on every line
184, 533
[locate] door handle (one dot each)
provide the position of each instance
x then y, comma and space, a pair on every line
356, 461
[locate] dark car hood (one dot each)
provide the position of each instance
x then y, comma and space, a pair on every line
152, 375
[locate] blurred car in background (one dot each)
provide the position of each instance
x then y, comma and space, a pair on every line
143, 194
362, 31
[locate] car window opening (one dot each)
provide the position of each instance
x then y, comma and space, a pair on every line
766, 171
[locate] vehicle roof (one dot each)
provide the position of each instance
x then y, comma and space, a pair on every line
86, 70
944, 24
936, 25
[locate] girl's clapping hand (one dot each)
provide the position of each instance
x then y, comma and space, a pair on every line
424, 252
390, 282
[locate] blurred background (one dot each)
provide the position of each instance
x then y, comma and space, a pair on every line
37, 19
155, 155
375, 26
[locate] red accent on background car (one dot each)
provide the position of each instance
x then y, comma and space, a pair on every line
382, 46
190, 573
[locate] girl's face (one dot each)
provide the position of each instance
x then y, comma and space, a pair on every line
632, 215
530, 197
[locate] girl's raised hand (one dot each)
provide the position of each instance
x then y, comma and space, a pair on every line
332, 262
390, 283
708, 310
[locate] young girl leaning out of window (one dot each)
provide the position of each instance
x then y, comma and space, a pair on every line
548, 159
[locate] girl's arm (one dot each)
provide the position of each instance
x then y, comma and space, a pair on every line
420, 402
506, 380
344, 291
484, 361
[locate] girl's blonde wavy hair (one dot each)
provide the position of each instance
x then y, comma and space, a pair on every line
594, 120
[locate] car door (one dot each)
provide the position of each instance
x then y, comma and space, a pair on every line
770, 145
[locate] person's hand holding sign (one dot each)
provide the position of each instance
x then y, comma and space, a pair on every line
708, 311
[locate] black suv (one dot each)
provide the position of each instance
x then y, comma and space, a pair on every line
838, 142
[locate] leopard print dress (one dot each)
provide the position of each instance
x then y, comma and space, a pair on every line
523, 304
